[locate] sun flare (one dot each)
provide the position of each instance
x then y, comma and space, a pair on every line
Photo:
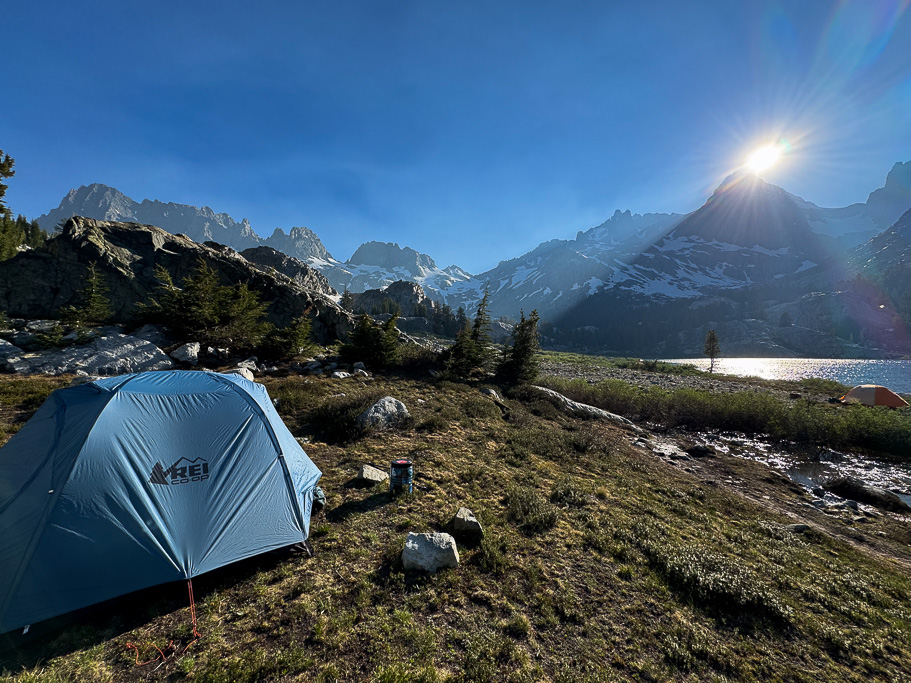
763, 158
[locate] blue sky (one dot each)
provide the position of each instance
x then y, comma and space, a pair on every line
468, 130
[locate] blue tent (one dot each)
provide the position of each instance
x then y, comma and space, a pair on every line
137, 480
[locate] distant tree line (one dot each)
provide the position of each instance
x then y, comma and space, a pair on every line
14, 232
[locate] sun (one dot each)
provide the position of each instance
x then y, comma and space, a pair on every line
763, 158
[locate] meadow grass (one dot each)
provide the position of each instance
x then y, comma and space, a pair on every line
599, 563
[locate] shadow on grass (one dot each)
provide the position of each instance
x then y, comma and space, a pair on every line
353, 507
93, 625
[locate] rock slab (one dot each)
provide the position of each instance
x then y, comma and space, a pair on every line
370, 475
117, 354
583, 409
465, 525
430, 552
386, 412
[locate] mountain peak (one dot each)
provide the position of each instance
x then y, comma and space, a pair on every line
890, 202
390, 255
747, 211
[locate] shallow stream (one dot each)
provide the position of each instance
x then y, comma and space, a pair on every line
810, 467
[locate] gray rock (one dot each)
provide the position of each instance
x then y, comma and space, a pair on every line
384, 413
7, 350
114, 355
338, 374
359, 366
154, 334
41, 325
188, 353
246, 373
492, 393
583, 409
250, 364
299, 272
430, 552
829, 455
465, 525
370, 475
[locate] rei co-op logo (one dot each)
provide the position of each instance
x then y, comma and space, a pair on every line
180, 472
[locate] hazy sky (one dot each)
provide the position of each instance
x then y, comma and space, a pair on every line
469, 130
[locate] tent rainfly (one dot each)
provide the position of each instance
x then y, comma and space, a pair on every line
874, 395
138, 480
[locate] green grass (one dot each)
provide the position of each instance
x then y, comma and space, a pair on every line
599, 563
877, 429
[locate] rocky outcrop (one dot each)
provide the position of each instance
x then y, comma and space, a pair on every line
391, 256
37, 283
105, 203
267, 258
116, 354
585, 410
409, 297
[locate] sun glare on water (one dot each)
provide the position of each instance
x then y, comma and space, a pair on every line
764, 158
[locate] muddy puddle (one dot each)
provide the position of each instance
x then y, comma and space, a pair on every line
809, 467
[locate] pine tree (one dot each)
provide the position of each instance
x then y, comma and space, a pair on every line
347, 300
711, 348
11, 236
480, 334
364, 343
240, 317
288, 342
200, 301
460, 359
389, 345
6, 171
461, 319
207, 311
519, 364
94, 308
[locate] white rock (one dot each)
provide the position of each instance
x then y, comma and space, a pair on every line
361, 373
371, 475
338, 374
384, 413
430, 552
7, 350
250, 363
576, 408
188, 353
117, 354
492, 393
243, 372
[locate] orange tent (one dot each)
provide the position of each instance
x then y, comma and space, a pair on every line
874, 395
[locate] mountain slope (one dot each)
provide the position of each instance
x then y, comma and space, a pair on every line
748, 232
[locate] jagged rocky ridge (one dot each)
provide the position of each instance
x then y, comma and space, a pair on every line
39, 282
752, 257
374, 264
